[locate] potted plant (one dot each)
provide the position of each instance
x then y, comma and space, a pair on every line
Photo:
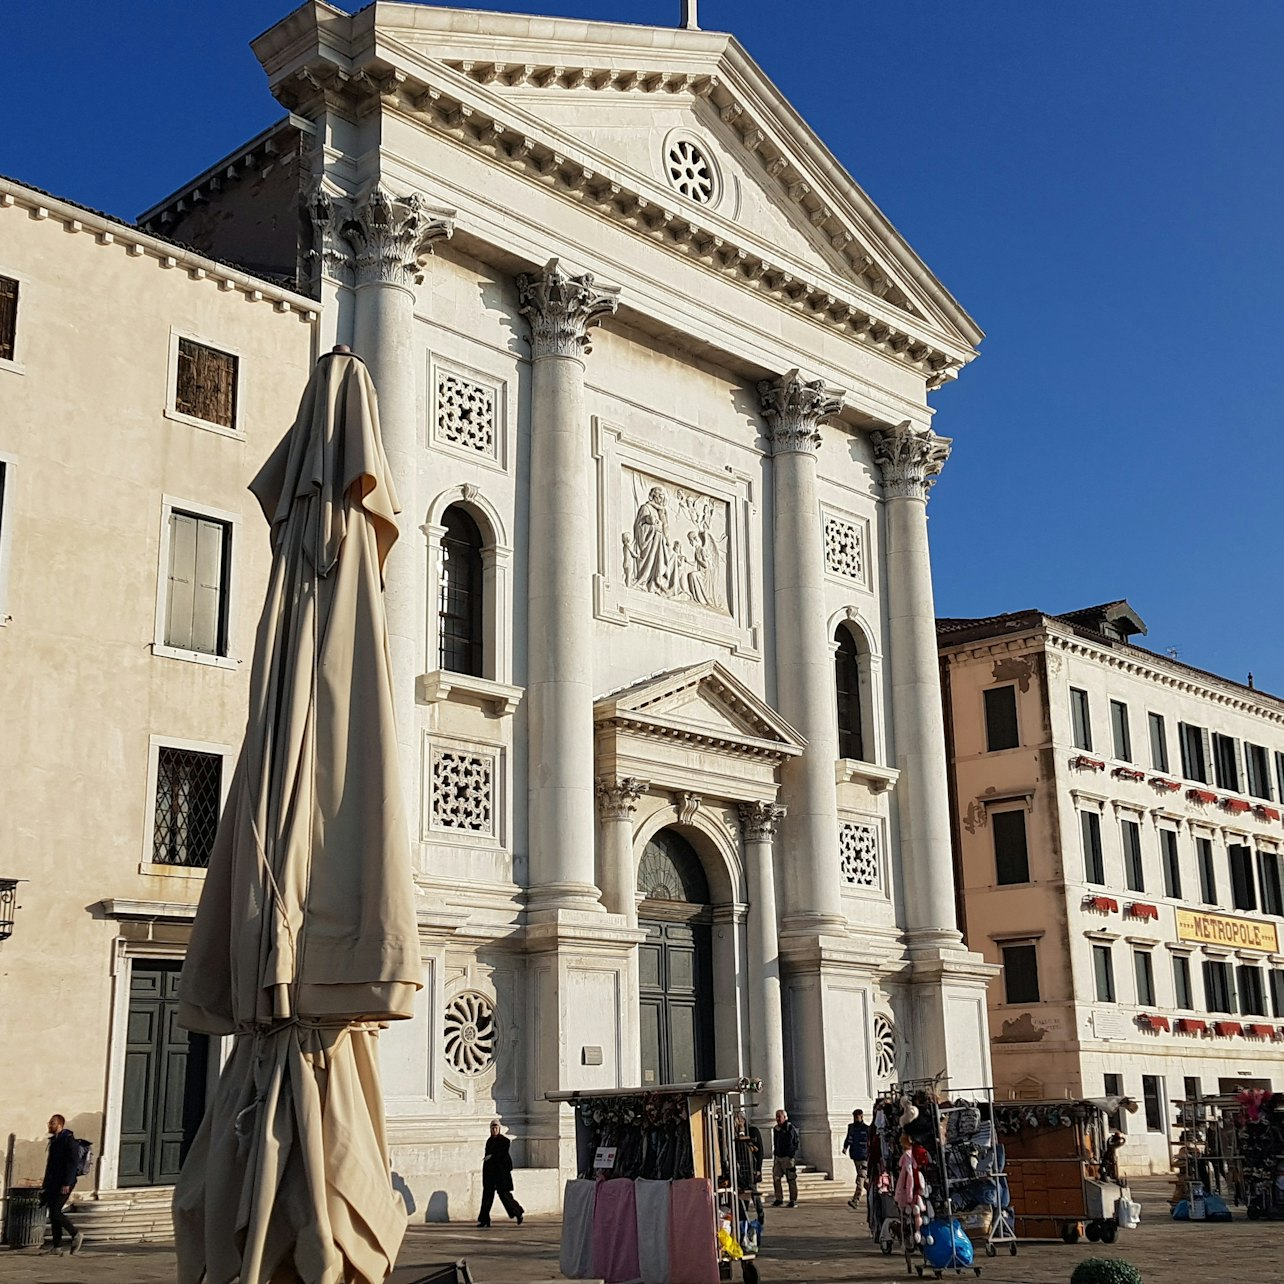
1105, 1270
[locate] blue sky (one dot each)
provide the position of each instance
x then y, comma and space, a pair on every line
1097, 181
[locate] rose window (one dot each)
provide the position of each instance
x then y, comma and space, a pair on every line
690, 171
470, 1033
884, 1048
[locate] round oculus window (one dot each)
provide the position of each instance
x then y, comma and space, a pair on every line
690, 170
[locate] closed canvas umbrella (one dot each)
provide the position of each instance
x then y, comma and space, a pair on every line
306, 938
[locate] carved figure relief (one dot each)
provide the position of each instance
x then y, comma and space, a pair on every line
677, 546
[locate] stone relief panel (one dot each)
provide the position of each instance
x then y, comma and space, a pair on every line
677, 544
674, 546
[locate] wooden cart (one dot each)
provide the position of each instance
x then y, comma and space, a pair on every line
1054, 1168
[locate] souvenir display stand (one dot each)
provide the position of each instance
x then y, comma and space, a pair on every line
1232, 1145
937, 1184
1060, 1169
663, 1190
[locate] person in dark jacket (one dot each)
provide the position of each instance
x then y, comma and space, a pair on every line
856, 1144
497, 1177
755, 1143
784, 1157
59, 1182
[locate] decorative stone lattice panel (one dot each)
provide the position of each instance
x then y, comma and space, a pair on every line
470, 1033
466, 414
463, 792
844, 549
858, 855
884, 1048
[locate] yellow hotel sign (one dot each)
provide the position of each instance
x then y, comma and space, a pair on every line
1222, 929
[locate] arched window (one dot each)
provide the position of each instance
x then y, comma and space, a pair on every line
670, 870
460, 599
851, 737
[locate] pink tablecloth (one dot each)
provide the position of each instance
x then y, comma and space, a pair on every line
615, 1233
693, 1246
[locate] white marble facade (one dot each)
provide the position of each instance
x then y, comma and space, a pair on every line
626, 312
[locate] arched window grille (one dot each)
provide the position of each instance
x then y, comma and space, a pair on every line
460, 598
851, 737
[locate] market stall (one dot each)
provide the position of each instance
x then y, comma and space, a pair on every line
937, 1188
666, 1185
1063, 1170
1231, 1146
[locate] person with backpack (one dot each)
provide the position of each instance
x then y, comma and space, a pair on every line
856, 1144
62, 1167
784, 1160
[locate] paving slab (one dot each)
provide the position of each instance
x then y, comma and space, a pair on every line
820, 1242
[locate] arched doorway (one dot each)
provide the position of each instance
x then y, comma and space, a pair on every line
675, 965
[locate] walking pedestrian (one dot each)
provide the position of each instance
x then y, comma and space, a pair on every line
748, 1163
497, 1177
754, 1133
856, 1144
59, 1182
784, 1159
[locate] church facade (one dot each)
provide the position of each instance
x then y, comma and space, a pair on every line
653, 375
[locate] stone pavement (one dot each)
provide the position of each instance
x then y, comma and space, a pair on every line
817, 1243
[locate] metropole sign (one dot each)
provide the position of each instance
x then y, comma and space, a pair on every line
1224, 929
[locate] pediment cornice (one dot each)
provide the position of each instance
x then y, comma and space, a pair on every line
470, 102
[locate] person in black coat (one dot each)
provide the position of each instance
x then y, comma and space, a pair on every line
497, 1177
59, 1181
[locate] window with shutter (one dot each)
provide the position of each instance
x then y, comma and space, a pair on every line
1158, 742
8, 318
1252, 996
1103, 966
1080, 719
1001, 719
1183, 994
1226, 761
1021, 973
206, 383
1243, 891
1094, 864
1144, 972
1172, 863
1219, 996
1194, 759
1257, 763
1011, 856
196, 605
1134, 870
1120, 733
1268, 879
1207, 871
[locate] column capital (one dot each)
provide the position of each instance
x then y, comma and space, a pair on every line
794, 409
561, 308
378, 237
910, 459
617, 799
759, 820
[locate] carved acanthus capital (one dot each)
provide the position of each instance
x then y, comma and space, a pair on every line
794, 408
377, 237
617, 799
759, 821
910, 459
561, 308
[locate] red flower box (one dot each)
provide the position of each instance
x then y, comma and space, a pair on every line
1105, 904
1262, 1031
1267, 813
1128, 773
1201, 795
1139, 909
1088, 764
1191, 1025
1237, 805
1225, 1028
1160, 782
1153, 1022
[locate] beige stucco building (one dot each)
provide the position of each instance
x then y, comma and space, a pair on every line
1117, 826
142, 387
661, 616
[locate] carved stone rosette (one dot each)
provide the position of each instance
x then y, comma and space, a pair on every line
759, 821
617, 799
794, 409
910, 459
378, 237
561, 308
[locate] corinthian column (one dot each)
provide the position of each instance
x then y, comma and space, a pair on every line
758, 823
794, 410
617, 801
559, 693
377, 243
910, 459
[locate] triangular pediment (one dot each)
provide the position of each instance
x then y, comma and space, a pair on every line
705, 701
594, 109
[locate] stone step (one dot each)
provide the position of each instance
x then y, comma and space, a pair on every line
125, 1216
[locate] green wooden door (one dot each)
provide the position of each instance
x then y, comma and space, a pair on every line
156, 1079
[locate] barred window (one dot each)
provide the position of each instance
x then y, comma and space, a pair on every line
460, 600
206, 387
189, 787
